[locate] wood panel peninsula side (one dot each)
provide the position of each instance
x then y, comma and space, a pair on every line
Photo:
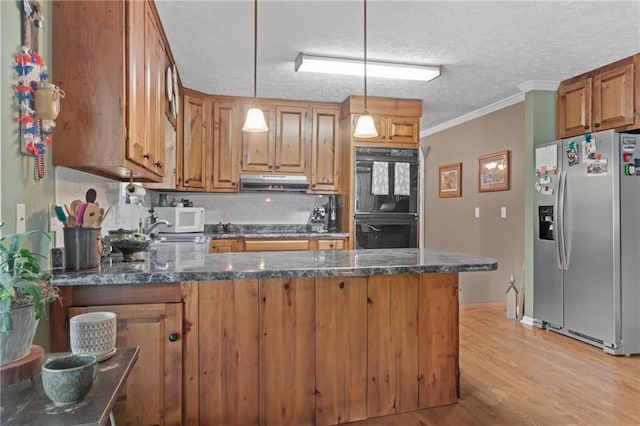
272, 338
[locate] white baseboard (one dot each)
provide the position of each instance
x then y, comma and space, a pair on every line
528, 321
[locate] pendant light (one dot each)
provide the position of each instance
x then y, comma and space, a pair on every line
255, 121
365, 128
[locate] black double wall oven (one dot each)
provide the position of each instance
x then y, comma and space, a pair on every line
386, 198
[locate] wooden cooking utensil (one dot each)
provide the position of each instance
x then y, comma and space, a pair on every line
71, 221
74, 207
91, 195
91, 216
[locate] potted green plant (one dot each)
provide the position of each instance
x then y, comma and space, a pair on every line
25, 291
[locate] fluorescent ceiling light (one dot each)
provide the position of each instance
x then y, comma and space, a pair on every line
349, 66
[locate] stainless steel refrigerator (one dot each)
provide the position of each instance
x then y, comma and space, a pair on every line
587, 239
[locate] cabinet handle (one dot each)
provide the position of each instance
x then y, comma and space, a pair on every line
147, 156
270, 167
313, 185
341, 285
331, 246
234, 183
586, 127
596, 125
383, 137
158, 164
278, 167
390, 137
186, 181
173, 337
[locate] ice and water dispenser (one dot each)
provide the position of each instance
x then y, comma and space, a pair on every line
545, 222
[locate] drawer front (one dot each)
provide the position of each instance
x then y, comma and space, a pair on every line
276, 245
330, 244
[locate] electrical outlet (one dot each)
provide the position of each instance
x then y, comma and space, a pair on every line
477, 212
21, 218
503, 212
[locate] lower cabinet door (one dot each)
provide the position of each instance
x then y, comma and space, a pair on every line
153, 394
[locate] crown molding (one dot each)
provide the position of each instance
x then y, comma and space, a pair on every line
530, 85
525, 87
511, 100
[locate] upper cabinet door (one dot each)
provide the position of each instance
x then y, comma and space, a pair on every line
194, 143
574, 108
403, 129
325, 150
136, 25
224, 156
613, 98
258, 150
291, 134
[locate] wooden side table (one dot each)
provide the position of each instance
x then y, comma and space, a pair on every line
26, 402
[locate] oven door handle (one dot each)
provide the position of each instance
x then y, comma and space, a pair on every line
373, 228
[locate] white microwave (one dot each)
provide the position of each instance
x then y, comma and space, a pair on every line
184, 219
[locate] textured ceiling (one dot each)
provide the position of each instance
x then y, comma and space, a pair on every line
486, 48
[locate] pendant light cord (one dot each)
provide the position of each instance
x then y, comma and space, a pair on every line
255, 47
365, 55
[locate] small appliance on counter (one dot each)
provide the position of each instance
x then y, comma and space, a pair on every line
317, 219
184, 219
332, 214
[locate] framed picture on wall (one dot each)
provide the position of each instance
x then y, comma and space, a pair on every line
450, 180
493, 172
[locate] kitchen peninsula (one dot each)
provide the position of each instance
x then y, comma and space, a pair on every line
309, 337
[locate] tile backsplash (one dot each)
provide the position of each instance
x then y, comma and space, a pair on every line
237, 208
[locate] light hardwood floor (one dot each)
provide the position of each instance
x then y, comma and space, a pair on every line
513, 374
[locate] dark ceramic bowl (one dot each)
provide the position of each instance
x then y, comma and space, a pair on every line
69, 379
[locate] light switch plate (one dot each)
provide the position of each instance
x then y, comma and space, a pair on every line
503, 212
477, 213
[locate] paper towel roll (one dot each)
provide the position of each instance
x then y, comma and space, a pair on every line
135, 190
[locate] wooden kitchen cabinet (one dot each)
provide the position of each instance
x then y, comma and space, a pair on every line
405, 130
111, 125
333, 244
602, 99
283, 149
223, 163
274, 244
325, 150
224, 245
192, 152
154, 387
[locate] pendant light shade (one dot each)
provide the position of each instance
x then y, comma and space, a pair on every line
365, 128
255, 121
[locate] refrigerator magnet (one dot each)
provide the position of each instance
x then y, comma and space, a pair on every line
628, 144
597, 167
573, 155
547, 190
545, 180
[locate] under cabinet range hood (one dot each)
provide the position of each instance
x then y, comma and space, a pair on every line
285, 183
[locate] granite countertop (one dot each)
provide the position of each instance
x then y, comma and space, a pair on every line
166, 263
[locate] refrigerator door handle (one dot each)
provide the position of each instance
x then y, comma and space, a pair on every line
556, 221
561, 219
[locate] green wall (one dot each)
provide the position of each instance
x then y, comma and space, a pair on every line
16, 172
540, 127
